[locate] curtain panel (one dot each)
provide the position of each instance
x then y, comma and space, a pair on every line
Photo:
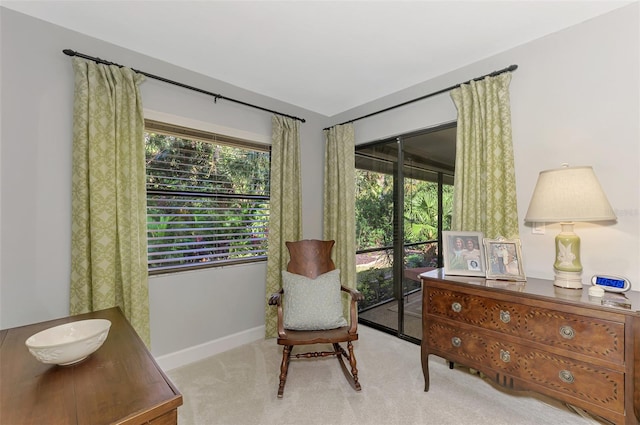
485, 184
285, 207
109, 217
339, 221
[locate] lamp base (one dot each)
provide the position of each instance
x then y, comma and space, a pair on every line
567, 293
570, 280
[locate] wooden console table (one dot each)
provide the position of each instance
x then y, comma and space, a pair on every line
533, 336
118, 384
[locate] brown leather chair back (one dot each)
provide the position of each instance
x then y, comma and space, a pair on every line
310, 257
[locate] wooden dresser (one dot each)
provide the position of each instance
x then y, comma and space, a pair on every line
118, 384
533, 336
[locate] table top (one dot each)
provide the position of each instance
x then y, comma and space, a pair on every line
543, 288
119, 383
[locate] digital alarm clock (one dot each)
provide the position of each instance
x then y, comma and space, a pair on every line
611, 283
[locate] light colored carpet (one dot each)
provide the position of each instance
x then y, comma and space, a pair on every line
239, 387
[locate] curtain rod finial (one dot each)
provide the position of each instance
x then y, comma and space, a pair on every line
69, 52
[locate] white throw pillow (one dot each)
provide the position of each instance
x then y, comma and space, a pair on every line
312, 304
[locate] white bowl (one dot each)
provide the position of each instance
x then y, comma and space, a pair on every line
69, 343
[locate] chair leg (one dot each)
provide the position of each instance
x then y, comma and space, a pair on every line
353, 376
354, 369
284, 368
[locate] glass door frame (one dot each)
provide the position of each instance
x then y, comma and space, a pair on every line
399, 234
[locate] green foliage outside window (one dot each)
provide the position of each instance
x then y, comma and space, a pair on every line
374, 209
374, 229
207, 203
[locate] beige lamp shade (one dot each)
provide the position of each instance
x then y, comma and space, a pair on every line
568, 194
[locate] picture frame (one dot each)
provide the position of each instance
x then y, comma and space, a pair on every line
463, 253
503, 259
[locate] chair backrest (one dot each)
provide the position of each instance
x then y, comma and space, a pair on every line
310, 257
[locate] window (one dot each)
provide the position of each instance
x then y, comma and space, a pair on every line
207, 198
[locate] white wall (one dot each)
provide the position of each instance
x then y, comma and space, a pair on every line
574, 98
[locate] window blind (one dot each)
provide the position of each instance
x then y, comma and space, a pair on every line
207, 200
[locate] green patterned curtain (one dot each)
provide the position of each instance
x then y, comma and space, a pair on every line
109, 217
339, 202
285, 207
485, 183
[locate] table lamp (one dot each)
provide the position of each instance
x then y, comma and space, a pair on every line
567, 195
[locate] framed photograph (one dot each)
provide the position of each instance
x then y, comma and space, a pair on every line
463, 254
504, 259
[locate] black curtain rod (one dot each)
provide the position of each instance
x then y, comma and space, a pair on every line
493, 74
216, 96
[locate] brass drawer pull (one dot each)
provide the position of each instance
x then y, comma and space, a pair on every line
505, 356
457, 307
505, 316
567, 332
566, 376
456, 342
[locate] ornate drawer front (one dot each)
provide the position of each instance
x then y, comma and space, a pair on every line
582, 334
566, 376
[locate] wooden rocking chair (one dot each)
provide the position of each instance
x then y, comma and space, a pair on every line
311, 259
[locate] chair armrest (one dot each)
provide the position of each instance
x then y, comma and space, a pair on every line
355, 294
353, 307
276, 298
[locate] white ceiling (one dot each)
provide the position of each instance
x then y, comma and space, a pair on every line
325, 56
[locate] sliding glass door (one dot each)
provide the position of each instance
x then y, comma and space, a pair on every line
403, 202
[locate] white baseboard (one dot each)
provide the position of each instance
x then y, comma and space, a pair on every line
202, 351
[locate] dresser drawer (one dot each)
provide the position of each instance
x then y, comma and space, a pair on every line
581, 334
562, 375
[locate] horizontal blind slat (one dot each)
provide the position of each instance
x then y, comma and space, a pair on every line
207, 203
